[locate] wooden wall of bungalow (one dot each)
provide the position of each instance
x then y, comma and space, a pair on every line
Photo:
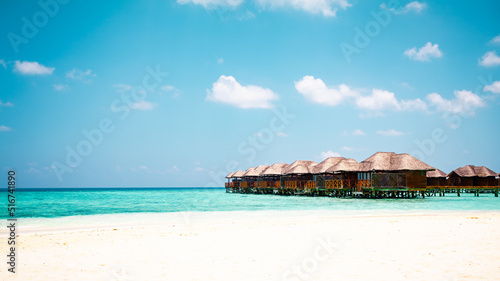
437, 181
456, 180
270, 181
336, 180
411, 179
299, 180
248, 181
416, 179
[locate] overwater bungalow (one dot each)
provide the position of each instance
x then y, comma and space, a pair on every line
390, 171
271, 177
247, 182
252, 176
236, 180
472, 176
345, 175
321, 176
384, 174
299, 175
436, 178
229, 184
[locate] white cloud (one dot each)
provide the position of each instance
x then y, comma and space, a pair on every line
211, 4
495, 40
315, 90
143, 105
3, 63
489, 59
170, 88
327, 8
281, 134
494, 87
5, 128
121, 88
61, 87
220, 60
329, 153
425, 53
414, 6
347, 148
227, 90
6, 104
84, 76
465, 102
199, 169
413, 105
32, 68
390, 133
379, 100
358, 132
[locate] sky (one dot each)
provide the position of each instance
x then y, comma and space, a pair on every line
180, 93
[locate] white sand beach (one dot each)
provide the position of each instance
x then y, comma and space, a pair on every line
298, 245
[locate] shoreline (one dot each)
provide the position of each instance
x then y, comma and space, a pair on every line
131, 220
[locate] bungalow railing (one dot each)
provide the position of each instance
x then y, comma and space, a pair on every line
299, 184
333, 184
269, 184
310, 184
291, 184
360, 184
340, 184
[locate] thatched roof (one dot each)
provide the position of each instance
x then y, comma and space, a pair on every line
390, 161
300, 170
238, 174
474, 171
303, 163
344, 165
255, 172
249, 170
275, 169
327, 163
301, 167
436, 174
230, 175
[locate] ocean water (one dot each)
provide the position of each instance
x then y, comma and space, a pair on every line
53, 203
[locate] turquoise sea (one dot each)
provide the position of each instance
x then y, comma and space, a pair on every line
57, 202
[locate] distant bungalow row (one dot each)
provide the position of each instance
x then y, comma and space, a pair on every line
382, 175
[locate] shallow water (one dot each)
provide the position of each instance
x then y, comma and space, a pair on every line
91, 201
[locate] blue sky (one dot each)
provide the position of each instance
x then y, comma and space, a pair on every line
180, 93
